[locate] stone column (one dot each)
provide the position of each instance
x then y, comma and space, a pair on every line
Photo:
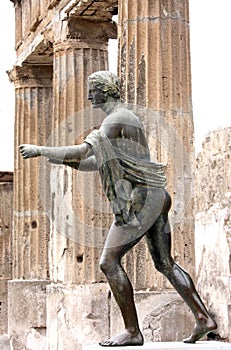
33, 115
72, 255
154, 66
77, 298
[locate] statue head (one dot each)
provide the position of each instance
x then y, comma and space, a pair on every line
105, 86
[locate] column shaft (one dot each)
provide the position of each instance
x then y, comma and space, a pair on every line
78, 220
33, 109
155, 72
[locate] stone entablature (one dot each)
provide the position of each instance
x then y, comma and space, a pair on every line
40, 23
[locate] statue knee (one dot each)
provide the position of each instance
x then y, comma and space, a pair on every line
106, 265
164, 266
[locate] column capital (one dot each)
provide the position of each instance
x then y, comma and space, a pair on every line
31, 75
77, 32
91, 30
63, 45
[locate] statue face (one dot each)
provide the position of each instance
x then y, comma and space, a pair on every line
96, 96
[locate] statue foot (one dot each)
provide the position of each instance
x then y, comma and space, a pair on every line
201, 329
124, 339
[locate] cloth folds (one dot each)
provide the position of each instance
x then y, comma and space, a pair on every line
121, 175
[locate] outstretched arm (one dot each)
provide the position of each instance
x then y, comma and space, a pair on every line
88, 164
66, 153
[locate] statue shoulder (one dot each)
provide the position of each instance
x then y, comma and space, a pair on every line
122, 116
120, 119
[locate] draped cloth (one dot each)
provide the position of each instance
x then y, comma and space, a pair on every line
125, 178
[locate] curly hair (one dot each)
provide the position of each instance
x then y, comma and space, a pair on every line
106, 82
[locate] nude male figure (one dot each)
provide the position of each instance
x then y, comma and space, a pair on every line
136, 189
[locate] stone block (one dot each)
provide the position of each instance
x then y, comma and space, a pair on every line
162, 316
76, 314
27, 314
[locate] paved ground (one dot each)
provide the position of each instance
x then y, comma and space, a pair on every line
201, 345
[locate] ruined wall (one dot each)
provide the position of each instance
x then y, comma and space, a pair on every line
213, 227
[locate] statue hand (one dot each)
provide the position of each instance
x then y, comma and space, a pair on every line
30, 151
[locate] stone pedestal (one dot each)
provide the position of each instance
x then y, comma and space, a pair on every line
161, 316
76, 315
27, 314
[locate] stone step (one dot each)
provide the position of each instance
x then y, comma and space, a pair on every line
201, 345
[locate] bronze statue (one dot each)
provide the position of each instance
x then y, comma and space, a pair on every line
135, 187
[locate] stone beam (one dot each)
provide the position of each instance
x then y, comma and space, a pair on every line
104, 9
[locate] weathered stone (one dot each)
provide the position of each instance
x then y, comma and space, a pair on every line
3, 307
213, 227
76, 315
92, 31
27, 314
6, 195
156, 312
4, 342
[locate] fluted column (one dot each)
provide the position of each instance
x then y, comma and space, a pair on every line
33, 115
78, 206
154, 67
33, 110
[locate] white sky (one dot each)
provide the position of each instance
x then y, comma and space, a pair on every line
211, 71
7, 58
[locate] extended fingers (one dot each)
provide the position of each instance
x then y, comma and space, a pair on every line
25, 151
